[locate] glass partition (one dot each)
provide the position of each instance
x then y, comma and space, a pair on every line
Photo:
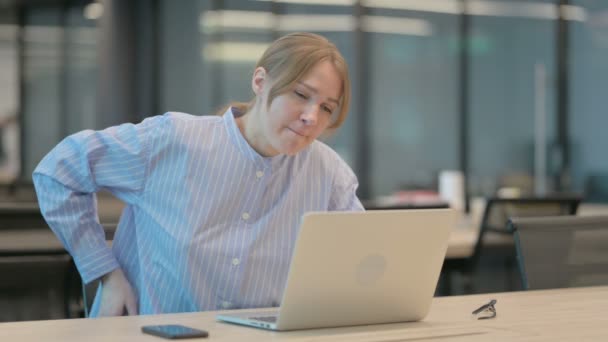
413, 95
512, 94
60, 77
10, 153
588, 83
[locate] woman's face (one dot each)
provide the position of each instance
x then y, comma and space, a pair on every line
296, 118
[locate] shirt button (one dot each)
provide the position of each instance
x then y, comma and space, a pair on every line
236, 261
245, 216
259, 174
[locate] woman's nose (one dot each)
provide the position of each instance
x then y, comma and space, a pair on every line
310, 115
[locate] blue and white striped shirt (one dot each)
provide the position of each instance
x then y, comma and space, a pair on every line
208, 224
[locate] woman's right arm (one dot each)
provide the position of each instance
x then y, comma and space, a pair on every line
68, 177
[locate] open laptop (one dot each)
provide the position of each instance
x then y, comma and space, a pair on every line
359, 268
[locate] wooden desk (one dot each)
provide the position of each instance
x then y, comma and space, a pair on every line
549, 315
592, 209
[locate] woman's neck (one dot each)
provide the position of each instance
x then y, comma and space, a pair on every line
250, 126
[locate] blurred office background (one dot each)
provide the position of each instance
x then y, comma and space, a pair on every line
510, 93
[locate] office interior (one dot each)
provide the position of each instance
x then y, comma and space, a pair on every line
454, 101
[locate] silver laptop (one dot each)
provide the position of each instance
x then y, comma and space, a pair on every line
358, 268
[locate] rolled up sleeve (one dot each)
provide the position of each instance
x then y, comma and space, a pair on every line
68, 177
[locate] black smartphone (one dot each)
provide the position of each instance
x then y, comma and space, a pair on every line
173, 331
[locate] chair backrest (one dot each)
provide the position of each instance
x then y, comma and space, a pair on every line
556, 252
498, 211
596, 188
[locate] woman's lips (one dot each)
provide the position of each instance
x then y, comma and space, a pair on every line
297, 132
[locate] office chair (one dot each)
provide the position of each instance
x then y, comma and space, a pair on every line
596, 188
557, 252
32, 287
494, 226
35, 281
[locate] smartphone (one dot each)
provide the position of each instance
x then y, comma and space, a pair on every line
173, 331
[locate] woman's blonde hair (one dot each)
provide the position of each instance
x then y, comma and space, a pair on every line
291, 57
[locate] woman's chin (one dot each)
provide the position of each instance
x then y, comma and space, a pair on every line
292, 153
291, 145
291, 149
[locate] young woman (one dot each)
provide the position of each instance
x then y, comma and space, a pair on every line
213, 203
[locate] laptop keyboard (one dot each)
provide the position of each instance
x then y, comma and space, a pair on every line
269, 319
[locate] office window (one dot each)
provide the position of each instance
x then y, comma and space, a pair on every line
181, 80
209, 52
81, 70
413, 96
42, 114
588, 83
9, 98
60, 77
235, 36
512, 45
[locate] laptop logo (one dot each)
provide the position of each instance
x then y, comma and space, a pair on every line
370, 269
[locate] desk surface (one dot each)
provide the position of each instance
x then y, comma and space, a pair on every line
549, 315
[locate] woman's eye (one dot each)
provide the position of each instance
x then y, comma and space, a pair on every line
301, 95
327, 109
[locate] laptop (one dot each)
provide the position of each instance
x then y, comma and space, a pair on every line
359, 268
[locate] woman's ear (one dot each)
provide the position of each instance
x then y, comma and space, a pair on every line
258, 80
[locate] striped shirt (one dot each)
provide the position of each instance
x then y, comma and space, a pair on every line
208, 224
